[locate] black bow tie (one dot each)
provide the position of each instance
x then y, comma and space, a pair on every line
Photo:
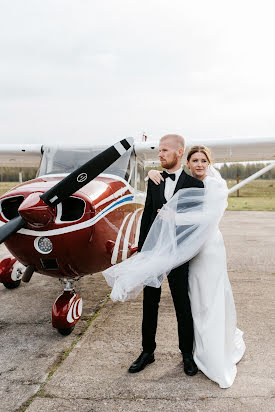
171, 175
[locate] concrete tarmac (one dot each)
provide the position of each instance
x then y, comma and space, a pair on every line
93, 377
30, 347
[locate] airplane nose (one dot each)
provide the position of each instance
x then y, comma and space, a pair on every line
35, 211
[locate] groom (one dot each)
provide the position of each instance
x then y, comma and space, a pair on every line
171, 149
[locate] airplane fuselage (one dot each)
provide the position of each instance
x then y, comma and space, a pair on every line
96, 227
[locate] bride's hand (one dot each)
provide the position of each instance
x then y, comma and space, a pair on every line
155, 176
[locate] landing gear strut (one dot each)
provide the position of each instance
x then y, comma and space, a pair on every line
67, 310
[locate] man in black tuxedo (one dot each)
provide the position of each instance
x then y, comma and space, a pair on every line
171, 149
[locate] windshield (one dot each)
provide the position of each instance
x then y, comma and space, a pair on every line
58, 160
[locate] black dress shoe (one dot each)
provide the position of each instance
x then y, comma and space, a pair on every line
143, 360
190, 368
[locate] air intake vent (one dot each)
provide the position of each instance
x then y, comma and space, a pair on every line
72, 209
9, 206
49, 264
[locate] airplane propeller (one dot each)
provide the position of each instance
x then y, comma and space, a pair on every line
11, 227
71, 183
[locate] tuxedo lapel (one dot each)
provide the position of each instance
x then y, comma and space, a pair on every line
180, 182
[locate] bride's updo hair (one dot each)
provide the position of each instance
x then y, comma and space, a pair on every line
202, 149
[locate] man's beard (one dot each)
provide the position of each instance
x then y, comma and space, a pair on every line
171, 164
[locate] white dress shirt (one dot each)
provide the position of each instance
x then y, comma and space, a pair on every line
170, 185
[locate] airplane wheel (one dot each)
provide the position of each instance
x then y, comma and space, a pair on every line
12, 285
66, 331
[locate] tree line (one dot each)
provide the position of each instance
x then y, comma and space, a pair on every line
232, 170
227, 170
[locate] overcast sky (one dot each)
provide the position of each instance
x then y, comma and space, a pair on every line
100, 70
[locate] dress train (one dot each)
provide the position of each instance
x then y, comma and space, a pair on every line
218, 343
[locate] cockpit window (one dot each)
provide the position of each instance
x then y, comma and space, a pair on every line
66, 160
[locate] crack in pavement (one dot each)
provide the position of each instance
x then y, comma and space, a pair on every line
61, 358
131, 398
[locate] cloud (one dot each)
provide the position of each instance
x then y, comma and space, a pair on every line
85, 70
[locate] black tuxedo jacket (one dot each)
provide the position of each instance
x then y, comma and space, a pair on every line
155, 200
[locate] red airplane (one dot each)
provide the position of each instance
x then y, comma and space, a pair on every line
75, 220
69, 227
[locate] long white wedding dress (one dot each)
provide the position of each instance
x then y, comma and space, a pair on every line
218, 343
188, 228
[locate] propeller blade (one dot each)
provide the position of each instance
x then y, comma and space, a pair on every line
73, 182
11, 227
85, 173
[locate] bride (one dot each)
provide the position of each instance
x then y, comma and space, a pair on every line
185, 228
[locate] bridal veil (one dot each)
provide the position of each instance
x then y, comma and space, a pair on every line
176, 236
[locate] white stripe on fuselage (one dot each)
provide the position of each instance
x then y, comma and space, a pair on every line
114, 196
116, 247
124, 200
127, 234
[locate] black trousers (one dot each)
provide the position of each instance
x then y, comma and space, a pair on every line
178, 282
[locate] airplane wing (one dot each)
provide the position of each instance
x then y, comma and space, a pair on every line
223, 150
20, 155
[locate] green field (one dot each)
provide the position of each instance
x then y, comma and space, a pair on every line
5, 186
257, 195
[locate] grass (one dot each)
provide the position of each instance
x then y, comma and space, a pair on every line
257, 195
5, 186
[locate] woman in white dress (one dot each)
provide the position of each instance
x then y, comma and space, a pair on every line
186, 228
218, 343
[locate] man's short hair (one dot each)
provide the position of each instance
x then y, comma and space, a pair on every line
179, 140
